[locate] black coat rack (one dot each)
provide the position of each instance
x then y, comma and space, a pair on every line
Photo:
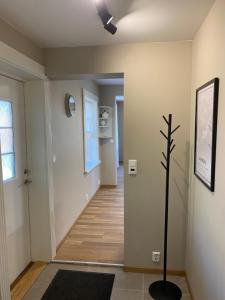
165, 290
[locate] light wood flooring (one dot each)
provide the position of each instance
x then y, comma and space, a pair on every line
24, 283
98, 234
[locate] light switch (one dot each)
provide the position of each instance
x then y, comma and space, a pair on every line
132, 167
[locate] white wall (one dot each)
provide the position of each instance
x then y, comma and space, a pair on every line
41, 202
21, 43
108, 146
156, 82
71, 186
206, 239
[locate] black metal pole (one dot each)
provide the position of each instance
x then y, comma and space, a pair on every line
167, 198
163, 289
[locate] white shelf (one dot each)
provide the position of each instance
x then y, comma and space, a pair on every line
105, 131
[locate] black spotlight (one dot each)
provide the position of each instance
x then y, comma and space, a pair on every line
111, 28
105, 16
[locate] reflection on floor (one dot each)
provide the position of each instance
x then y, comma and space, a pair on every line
127, 286
98, 234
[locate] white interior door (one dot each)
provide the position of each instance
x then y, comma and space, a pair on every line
14, 164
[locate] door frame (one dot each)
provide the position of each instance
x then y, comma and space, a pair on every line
117, 129
17, 66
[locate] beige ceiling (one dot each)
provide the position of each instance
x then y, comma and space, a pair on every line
58, 23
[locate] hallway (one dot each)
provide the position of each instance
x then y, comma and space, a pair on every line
98, 234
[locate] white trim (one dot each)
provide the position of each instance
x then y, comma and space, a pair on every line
16, 64
85, 263
4, 275
97, 165
11, 76
48, 139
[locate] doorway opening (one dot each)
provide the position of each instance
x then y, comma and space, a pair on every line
97, 231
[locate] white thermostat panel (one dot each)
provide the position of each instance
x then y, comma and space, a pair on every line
132, 167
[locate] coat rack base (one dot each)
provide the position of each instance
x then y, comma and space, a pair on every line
161, 290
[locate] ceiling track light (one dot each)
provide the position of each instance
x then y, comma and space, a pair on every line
111, 28
105, 16
110, 20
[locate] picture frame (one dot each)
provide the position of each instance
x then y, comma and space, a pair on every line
206, 115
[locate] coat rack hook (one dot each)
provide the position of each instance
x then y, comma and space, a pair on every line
175, 129
172, 148
164, 166
166, 120
164, 134
164, 155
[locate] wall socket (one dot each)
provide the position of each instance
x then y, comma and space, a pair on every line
156, 257
87, 197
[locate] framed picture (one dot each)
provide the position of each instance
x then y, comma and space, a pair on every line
206, 132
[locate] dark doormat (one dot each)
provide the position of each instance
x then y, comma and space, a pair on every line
74, 285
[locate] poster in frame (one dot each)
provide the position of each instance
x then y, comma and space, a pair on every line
206, 133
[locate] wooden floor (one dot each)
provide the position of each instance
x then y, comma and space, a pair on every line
98, 234
26, 281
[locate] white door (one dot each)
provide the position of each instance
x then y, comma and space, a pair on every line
13, 155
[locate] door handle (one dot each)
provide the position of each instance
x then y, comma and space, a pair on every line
26, 171
27, 181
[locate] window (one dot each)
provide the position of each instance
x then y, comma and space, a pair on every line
91, 134
119, 98
7, 140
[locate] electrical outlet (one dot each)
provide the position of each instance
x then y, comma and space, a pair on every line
99, 182
156, 257
87, 197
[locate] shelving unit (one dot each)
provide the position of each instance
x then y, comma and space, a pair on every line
105, 122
